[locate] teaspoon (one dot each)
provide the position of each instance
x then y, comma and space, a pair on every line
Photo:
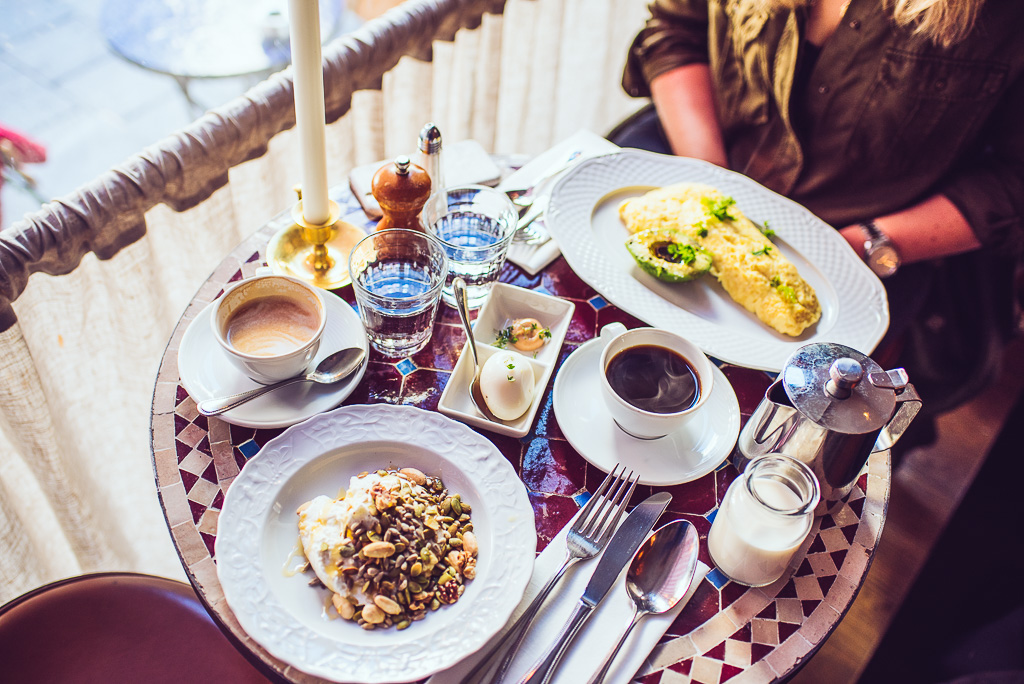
475, 393
658, 577
333, 368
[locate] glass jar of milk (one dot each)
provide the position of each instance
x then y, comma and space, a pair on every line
764, 518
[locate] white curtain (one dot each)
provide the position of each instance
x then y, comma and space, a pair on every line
78, 368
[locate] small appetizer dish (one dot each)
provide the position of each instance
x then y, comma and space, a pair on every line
518, 334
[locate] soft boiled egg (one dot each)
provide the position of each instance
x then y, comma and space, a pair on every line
507, 383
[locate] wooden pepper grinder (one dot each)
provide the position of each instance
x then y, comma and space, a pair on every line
401, 188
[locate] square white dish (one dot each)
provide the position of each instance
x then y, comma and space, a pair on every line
505, 304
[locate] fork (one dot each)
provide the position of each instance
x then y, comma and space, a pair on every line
527, 230
523, 197
586, 538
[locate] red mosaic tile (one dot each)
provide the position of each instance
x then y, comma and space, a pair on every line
693, 497
742, 634
716, 652
838, 557
551, 513
210, 474
857, 506
826, 583
862, 482
180, 395
703, 605
583, 325
827, 521
218, 501
749, 385
204, 443
817, 546
240, 458
787, 629
236, 277
382, 383
561, 280
197, 511
759, 651
444, 349
188, 480
682, 667
182, 450
804, 569
655, 677
788, 590
850, 532
209, 540
553, 467
728, 672
807, 607
423, 388
769, 613
732, 592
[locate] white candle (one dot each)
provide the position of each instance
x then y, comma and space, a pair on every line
310, 117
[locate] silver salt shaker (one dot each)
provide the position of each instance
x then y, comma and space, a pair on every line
429, 158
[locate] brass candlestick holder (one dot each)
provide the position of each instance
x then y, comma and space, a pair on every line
317, 254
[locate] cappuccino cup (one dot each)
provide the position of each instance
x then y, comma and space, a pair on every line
652, 380
270, 326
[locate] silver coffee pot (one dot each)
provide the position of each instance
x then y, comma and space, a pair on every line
830, 407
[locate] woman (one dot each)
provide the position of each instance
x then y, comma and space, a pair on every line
904, 113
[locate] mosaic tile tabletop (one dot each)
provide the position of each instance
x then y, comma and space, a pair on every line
727, 632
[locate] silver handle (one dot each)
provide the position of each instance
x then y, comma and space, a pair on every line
542, 671
213, 407
522, 625
603, 672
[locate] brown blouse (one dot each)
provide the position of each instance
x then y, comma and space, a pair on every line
887, 118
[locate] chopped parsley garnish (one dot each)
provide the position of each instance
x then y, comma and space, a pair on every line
787, 293
718, 206
505, 337
766, 231
681, 253
545, 334
766, 251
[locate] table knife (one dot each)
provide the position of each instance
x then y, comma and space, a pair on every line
623, 545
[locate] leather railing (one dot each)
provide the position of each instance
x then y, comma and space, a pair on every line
182, 170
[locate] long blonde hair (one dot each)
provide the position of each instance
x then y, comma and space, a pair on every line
943, 22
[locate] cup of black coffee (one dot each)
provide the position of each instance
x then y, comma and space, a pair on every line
653, 381
270, 326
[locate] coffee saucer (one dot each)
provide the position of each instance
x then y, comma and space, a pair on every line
692, 451
207, 373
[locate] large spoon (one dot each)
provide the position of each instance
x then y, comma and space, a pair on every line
658, 577
475, 393
332, 369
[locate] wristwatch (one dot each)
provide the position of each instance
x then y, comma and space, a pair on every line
879, 252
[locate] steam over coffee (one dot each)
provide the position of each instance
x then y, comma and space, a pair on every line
654, 379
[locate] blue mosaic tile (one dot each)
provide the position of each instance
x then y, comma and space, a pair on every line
723, 465
543, 290
249, 448
406, 366
710, 517
716, 578
582, 498
597, 302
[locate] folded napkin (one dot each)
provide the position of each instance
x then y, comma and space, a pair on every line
595, 640
583, 143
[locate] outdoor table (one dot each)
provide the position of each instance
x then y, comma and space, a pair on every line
727, 632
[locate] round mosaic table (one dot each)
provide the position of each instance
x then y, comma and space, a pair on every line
727, 632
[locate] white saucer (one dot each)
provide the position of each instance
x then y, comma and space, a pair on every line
207, 373
692, 451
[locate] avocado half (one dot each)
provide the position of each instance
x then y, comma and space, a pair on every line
669, 254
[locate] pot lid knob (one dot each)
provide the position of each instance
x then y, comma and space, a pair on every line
839, 388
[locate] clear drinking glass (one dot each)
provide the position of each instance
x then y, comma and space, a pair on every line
397, 276
476, 225
764, 518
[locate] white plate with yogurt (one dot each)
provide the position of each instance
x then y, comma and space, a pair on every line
508, 303
258, 529
207, 373
692, 451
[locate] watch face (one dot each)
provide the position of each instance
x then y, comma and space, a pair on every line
884, 260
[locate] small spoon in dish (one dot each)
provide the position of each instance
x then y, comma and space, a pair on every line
475, 393
333, 368
659, 576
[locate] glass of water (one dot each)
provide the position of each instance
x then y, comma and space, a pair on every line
397, 276
476, 224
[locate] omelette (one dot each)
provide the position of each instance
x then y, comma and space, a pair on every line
750, 268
